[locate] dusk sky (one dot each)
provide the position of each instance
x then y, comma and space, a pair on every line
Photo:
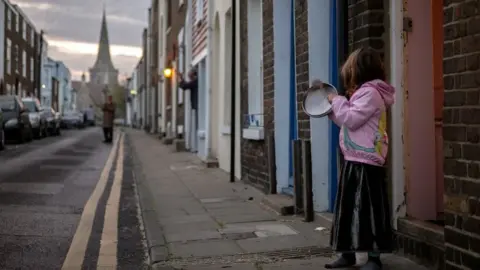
72, 28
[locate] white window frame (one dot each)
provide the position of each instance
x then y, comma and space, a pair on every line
255, 117
17, 58
8, 64
17, 25
181, 63
198, 11
9, 18
32, 70
32, 36
24, 64
24, 30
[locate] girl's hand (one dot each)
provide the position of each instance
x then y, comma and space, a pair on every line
331, 97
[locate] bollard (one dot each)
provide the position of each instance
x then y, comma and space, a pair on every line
272, 168
297, 176
307, 181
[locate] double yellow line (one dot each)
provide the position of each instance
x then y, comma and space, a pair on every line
108, 245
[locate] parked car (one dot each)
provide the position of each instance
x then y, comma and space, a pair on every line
90, 113
37, 116
81, 120
2, 131
70, 120
16, 119
53, 121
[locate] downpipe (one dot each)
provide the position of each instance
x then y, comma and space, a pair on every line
208, 80
233, 92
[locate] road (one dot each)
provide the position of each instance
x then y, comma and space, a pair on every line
69, 203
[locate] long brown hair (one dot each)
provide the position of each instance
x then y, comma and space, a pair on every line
363, 65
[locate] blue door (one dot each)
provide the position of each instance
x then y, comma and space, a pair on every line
293, 98
334, 130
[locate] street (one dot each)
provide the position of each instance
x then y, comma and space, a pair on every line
77, 203
44, 189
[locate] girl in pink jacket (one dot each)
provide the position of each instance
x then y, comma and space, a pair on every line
362, 220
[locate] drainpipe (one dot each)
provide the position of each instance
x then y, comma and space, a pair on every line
208, 84
233, 92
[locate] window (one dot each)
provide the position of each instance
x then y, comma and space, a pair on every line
32, 69
255, 72
8, 63
9, 89
17, 23
16, 55
24, 64
24, 30
169, 13
32, 36
9, 19
181, 63
199, 11
181, 2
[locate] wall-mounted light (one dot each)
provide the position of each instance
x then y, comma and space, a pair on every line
133, 92
167, 73
43, 86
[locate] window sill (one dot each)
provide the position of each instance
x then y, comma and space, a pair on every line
253, 133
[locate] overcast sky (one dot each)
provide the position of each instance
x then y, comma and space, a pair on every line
72, 28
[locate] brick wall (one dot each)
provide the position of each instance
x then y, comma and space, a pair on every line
254, 153
366, 24
461, 132
301, 61
199, 30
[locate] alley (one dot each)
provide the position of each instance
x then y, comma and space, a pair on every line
44, 191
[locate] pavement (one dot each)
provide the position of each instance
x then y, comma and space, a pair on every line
194, 218
48, 216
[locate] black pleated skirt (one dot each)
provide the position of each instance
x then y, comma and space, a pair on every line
362, 221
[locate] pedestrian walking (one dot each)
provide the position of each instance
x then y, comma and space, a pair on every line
108, 118
362, 221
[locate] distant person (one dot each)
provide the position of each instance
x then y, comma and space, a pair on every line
108, 117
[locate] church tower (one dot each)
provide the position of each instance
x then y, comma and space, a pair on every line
103, 71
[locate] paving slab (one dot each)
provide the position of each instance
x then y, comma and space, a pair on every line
265, 244
223, 267
192, 235
204, 248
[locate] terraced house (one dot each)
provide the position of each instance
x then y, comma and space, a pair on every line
21, 50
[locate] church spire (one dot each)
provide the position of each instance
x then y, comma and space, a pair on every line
103, 57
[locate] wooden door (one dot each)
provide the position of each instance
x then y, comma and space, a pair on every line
437, 39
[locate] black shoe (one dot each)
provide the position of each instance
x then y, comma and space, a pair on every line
372, 264
343, 262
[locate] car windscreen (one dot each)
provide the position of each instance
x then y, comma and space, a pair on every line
7, 104
31, 106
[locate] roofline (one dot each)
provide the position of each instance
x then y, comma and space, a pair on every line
24, 16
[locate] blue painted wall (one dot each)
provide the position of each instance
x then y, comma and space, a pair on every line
282, 26
320, 68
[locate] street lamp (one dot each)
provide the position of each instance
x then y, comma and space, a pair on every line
167, 73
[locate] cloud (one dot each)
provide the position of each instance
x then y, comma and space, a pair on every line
72, 28
71, 47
